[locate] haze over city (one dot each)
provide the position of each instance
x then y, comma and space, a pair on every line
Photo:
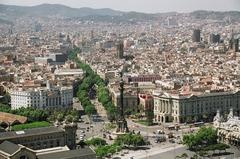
149, 6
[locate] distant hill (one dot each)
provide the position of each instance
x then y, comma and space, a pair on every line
9, 13
44, 10
201, 14
4, 21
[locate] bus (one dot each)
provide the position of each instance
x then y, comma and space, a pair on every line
198, 124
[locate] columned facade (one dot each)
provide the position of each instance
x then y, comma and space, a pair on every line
196, 107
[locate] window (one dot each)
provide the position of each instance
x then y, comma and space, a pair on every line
58, 143
23, 157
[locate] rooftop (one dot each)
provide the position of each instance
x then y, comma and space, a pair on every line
30, 132
11, 118
8, 147
68, 154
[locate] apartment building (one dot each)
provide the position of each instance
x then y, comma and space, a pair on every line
42, 97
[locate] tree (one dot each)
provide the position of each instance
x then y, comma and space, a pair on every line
111, 113
189, 140
195, 156
149, 116
205, 136
203, 141
130, 140
82, 144
96, 142
60, 117
184, 155
69, 118
6, 99
205, 116
91, 78
188, 119
5, 108
90, 110
195, 118
102, 151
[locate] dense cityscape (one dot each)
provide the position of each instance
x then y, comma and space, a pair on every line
99, 83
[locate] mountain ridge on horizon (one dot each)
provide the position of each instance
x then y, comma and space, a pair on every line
62, 5
11, 12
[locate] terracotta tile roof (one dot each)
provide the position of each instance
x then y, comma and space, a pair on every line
11, 118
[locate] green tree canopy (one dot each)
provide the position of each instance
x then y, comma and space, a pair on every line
96, 142
204, 140
130, 140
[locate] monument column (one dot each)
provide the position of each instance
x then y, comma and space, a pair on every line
121, 121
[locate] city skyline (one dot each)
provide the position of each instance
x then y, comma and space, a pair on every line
122, 79
150, 6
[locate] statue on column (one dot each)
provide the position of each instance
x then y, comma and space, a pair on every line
121, 121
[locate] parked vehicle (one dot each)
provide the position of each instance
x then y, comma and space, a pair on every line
160, 132
160, 139
170, 135
171, 140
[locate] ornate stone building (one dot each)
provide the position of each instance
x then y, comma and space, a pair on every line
193, 106
229, 130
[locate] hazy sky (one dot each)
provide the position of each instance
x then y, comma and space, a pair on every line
151, 6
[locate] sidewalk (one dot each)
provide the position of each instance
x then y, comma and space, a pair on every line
142, 154
99, 107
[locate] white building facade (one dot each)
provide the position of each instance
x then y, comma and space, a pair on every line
42, 98
179, 108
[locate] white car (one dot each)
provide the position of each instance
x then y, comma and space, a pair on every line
81, 138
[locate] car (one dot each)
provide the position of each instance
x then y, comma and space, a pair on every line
126, 152
160, 139
87, 122
81, 139
82, 131
179, 141
172, 141
170, 135
110, 137
148, 142
160, 132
